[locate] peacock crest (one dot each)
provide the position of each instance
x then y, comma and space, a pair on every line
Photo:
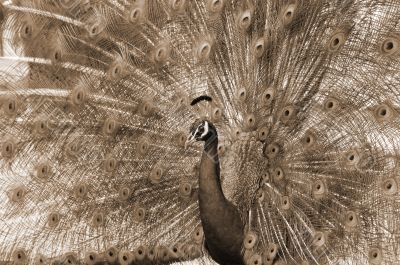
96, 113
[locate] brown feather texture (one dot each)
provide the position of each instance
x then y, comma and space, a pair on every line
95, 111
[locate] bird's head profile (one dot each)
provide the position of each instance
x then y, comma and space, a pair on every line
201, 130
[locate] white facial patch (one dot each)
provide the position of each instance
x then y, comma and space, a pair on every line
206, 128
195, 132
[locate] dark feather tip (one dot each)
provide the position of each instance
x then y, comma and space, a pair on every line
201, 98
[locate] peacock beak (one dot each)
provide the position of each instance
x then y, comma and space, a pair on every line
190, 140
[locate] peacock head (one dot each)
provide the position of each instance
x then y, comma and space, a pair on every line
201, 130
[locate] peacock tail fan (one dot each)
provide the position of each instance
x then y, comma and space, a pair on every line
95, 107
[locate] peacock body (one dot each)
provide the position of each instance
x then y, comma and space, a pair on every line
95, 115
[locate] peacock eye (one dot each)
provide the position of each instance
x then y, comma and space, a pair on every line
200, 131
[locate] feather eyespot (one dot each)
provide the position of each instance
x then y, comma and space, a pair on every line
265, 179
174, 251
156, 174
81, 191
331, 104
185, 189
285, 203
110, 164
250, 240
40, 259
384, 113
198, 235
43, 171
151, 253
244, 20
94, 30
216, 114
140, 214
352, 157
26, 31
78, 96
390, 46
287, 114
222, 149
350, 220
20, 256
389, 187
177, 5
268, 96
194, 251
111, 126
271, 251
143, 146
70, 258
140, 252
308, 140
242, 95
259, 47
56, 55
124, 193
262, 133
136, 15
41, 127
255, 259
337, 40
180, 139
98, 219
215, 6
202, 48
272, 150
250, 122
10, 106
95, 27
278, 174
117, 70
375, 256
8, 148
91, 258
260, 195
288, 14
235, 134
146, 108
53, 219
319, 190
319, 239
161, 53
111, 254
17, 194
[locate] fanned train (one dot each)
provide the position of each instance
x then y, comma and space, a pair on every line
297, 102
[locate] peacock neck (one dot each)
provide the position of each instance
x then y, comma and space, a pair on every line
209, 182
222, 224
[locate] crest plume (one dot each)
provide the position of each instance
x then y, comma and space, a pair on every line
199, 99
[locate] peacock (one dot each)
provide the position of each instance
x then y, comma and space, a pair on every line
234, 132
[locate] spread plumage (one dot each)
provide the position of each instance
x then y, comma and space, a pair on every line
95, 111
